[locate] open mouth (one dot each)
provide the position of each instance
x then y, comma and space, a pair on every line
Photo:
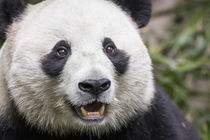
91, 112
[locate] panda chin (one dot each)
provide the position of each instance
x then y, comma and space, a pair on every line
91, 112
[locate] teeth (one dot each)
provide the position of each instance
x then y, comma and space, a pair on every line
93, 114
100, 112
84, 112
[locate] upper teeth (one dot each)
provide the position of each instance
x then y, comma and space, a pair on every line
84, 112
100, 112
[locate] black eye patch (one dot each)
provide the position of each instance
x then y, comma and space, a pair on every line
54, 62
118, 58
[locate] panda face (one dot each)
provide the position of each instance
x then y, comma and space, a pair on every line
78, 67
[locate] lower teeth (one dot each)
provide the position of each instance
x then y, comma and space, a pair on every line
99, 113
93, 114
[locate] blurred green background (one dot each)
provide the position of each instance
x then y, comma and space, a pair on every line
178, 38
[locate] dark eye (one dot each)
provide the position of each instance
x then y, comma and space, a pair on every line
62, 52
110, 49
62, 49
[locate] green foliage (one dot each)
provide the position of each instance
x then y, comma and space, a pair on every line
182, 59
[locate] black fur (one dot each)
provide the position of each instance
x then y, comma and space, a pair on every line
52, 64
119, 59
140, 10
9, 9
163, 121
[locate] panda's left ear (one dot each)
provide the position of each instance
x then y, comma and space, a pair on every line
139, 10
9, 10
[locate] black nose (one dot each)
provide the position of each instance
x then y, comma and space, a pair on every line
95, 86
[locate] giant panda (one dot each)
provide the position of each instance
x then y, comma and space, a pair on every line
79, 70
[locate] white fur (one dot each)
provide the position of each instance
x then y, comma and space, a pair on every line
84, 23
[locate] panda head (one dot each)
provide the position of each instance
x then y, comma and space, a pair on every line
77, 65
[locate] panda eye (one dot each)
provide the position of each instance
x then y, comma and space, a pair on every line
62, 49
110, 49
109, 46
62, 52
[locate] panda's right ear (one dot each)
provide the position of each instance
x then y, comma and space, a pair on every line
9, 10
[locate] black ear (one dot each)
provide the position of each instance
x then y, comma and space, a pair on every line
139, 10
9, 9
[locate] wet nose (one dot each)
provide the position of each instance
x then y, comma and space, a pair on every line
95, 86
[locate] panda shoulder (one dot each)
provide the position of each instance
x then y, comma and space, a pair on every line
7, 132
163, 119
165, 114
